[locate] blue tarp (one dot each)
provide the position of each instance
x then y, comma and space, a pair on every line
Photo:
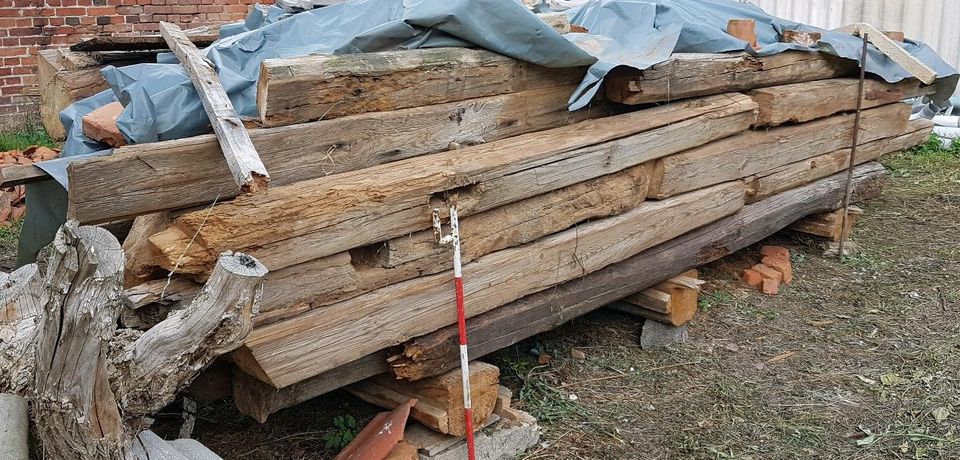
160, 102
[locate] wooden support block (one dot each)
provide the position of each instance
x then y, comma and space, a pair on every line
437, 352
193, 172
800, 38
744, 29
439, 399
800, 102
101, 125
828, 224
301, 347
757, 152
796, 174
672, 302
312, 219
892, 50
688, 75
301, 89
241, 156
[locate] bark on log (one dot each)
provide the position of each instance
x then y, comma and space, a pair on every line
95, 386
436, 352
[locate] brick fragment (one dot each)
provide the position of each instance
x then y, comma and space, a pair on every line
780, 264
101, 125
771, 286
776, 251
767, 272
752, 277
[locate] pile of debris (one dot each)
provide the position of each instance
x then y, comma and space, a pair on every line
13, 204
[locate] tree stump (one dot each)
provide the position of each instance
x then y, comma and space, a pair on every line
93, 386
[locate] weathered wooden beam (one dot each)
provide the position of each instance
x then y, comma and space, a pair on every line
298, 348
296, 90
436, 352
796, 174
61, 84
358, 208
137, 42
248, 170
190, 172
688, 75
756, 152
800, 102
439, 399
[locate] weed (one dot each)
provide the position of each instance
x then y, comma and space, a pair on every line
710, 300
343, 431
25, 137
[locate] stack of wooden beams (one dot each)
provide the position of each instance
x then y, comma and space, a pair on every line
561, 212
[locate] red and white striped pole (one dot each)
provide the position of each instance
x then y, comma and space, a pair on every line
454, 239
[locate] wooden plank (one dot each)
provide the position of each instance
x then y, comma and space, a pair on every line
689, 74
828, 224
673, 301
755, 152
21, 174
439, 399
257, 399
137, 42
324, 216
248, 170
301, 347
800, 102
191, 172
892, 50
436, 352
799, 173
301, 89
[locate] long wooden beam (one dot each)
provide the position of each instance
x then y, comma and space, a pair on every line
301, 89
435, 353
301, 347
755, 152
137, 42
312, 219
190, 172
688, 75
248, 170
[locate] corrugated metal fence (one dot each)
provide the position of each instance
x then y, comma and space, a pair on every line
936, 22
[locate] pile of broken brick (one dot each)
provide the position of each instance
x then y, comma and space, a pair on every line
774, 268
13, 204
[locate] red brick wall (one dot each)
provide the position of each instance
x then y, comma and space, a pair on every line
29, 25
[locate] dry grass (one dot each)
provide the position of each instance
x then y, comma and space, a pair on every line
875, 343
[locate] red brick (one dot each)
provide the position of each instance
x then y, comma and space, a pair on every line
780, 264
767, 272
70, 11
770, 286
768, 250
24, 31
753, 278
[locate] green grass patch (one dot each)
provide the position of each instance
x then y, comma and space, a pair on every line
25, 137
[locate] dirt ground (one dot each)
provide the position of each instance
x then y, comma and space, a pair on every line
854, 360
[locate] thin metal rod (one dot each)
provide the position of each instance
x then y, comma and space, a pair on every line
853, 148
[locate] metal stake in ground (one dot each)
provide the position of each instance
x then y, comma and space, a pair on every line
454, 239
853, 148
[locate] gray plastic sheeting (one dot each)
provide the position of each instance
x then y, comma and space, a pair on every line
160, 102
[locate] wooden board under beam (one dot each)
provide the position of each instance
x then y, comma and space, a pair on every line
439, 399
21, 174
248, 170
688, 75
301, 347
312, 219
191, 172
436, 352
296, 90
800, 102
755, 152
